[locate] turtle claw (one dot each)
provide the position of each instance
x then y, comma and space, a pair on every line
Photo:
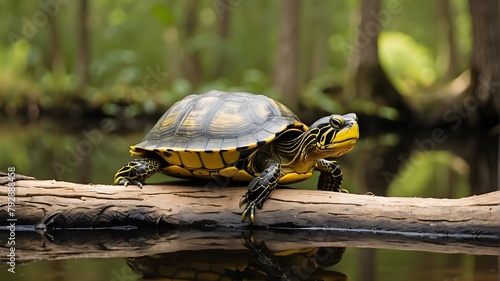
243, 200
126, 182
259, 189
243, 215
250, 210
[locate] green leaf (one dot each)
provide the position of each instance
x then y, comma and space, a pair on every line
163, 14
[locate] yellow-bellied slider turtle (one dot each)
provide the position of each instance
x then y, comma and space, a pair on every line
243, 137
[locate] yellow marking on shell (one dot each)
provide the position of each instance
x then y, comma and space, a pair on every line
134, 152
303, 127
190, 159
252, 146
201, 174
175, 112
242, 176
177, 171
269, 139
230, 119
228, 172
230, 157
194, 120
212, 160
172, 157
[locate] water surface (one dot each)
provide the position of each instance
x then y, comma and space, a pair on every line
398, 164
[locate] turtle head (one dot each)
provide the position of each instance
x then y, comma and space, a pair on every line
335, 135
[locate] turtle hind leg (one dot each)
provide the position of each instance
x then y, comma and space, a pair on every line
137, 171
331, 176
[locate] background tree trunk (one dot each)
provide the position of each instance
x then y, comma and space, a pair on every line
223, 32
371, 80
485, 64
447, 18
82, 61
192, 63
316, 42
286, 75
56, 53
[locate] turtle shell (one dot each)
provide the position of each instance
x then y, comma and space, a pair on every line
209, 132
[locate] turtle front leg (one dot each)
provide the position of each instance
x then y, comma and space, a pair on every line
260, 189
331, 176
266, 260
137, 171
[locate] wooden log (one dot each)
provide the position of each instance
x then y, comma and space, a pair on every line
68, 220
57, 204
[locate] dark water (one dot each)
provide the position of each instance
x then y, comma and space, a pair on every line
403, 164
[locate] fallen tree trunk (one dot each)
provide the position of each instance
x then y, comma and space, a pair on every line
60, 220
57, 204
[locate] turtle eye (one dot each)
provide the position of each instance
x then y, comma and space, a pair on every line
337, 122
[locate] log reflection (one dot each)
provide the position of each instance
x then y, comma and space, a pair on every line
256, 262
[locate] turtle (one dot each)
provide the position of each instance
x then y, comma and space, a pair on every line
242, 137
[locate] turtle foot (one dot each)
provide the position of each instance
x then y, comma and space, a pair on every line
126, 182
259, 190
249, 209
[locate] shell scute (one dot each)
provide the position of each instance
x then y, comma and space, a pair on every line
220, 122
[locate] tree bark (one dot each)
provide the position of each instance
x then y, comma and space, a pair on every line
56, 52
192, 62
69, 220
223, 32
82, 62
371, 80
60, 220
57, 204
447, 18
485, 68
316, 49
286, 75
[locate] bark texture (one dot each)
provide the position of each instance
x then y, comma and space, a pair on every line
61, 220
286, 76
57, 204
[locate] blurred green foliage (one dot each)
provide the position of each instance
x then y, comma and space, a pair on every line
129, 39
433, 174
407, 62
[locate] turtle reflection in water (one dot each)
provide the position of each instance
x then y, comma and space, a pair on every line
243, 137
259, 263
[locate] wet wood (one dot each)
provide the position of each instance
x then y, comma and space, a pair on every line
66, 244
57, 204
